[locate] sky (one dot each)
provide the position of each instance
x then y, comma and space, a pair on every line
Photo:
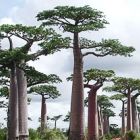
124, 19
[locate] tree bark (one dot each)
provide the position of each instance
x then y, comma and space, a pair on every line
43, 114
100, 122
92, 117
135, 123
123, 119
22, 105
77, 99
129, 112
13, 106
106, 124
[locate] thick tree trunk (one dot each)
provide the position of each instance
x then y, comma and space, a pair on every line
92, 117
77, 99
135, 123
13, 106
129, 112
106, 124
123, 119
100, 122
22, 104
43, 114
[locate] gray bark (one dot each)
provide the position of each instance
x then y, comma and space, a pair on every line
13, 106
43, 114
135, 121
100, 122
22, 104
77, 99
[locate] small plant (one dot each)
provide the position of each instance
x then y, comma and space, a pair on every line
131, 135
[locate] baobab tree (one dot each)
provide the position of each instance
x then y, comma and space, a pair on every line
46, 92
135, 120
122, 98
14, 58
126, 86
105, 106
55, 119
76, 20
94, 79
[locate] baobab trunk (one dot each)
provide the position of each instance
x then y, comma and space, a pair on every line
106, 124
129, 112
100, 122
22, 105
13, 106
123, 119
135, 122
92, 116
43, 114
77, 99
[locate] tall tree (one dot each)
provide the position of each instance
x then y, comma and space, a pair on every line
46, 92
135, 122
75, 20
14, 58
122, 98
126, 86
94, 79
105, 106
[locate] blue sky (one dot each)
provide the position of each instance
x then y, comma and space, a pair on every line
124, 19
7, 5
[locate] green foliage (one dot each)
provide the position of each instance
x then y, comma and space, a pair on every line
67, 117
106, 47
137, 137
104, 102
73, 19
48, 40
131, 135
2, 134
122, 85
114, 130
33, 134
118, 97
47, 90
49, 134
98, 75
4, 91
35, 77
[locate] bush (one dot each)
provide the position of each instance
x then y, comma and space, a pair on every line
131, 135
137, 137
33, 134
2, 134
49, 134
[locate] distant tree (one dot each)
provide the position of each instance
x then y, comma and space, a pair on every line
122, 98
126, 86
105, 110
76, 20
94, 80
46, 92
55, 119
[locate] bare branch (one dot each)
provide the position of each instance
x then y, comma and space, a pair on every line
87, 86
95, 54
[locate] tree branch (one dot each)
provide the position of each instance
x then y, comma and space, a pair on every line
95, 54
87, 86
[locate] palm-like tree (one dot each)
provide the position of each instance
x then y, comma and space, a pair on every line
55, 119
46, 92
122, 98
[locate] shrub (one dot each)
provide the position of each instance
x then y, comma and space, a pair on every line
131, 135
